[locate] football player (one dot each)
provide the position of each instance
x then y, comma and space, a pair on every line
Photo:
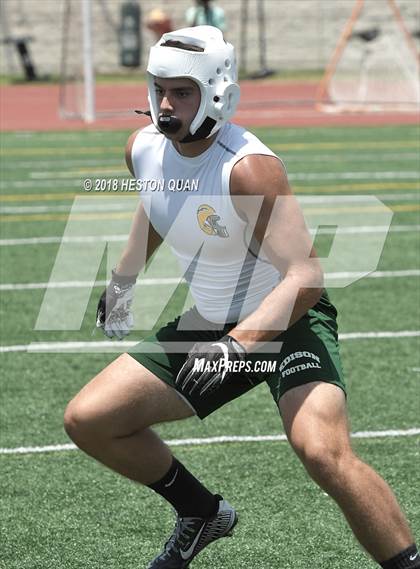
242, 242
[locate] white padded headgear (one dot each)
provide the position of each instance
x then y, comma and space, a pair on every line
213, 69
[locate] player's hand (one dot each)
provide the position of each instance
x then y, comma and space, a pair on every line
114, 314
209, 365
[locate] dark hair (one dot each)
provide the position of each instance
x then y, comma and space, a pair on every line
181, 45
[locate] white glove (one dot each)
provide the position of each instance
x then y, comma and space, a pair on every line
114, 314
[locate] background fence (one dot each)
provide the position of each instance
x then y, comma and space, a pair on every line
300, 35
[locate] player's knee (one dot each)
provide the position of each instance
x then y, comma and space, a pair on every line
324, 461
79, 422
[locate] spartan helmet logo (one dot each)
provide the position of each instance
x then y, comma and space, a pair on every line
207, 220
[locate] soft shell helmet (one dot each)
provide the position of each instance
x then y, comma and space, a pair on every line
213, 69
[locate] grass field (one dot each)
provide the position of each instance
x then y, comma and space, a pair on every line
60, 508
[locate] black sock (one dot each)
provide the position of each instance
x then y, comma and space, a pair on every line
186, 494
407, 559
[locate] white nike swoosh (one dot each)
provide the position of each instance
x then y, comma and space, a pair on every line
413, 557
173, 480
187, 554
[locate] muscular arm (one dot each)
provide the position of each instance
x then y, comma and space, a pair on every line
281, 231
143, 240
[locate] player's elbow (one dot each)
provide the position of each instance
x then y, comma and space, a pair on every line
315, 295
316, 284
316, 275
312, 277
312, 281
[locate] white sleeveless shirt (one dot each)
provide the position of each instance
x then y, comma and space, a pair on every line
188, 202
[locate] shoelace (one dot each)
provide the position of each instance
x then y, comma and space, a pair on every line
184, 530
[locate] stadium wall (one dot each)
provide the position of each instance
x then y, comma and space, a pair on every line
300, 35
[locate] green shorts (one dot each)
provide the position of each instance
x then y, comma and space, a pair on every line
308, 351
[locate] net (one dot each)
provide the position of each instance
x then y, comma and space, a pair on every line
376, 65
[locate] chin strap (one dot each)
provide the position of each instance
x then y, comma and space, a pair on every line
202, 132
147, 113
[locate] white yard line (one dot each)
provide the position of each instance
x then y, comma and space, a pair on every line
92, 163
350, 230
70, 347
175, 280
121, 346
384, 175
323, 199
117, 171
374, 275
93, 207
219, 440
329, 158
354, 230
379, 335
73, 183
395, 175
75, 239
83, 284
289, 157
74, 178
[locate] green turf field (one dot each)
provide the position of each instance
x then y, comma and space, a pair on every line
61, 509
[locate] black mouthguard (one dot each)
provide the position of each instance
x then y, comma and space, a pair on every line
169, 124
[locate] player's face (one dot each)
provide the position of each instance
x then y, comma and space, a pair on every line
180, 98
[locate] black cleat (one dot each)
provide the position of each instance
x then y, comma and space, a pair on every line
191, 535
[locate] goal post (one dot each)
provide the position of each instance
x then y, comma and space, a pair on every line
77, 74
97, 37
375, 64
88, 68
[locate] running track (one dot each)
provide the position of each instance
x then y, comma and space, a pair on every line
263, 103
